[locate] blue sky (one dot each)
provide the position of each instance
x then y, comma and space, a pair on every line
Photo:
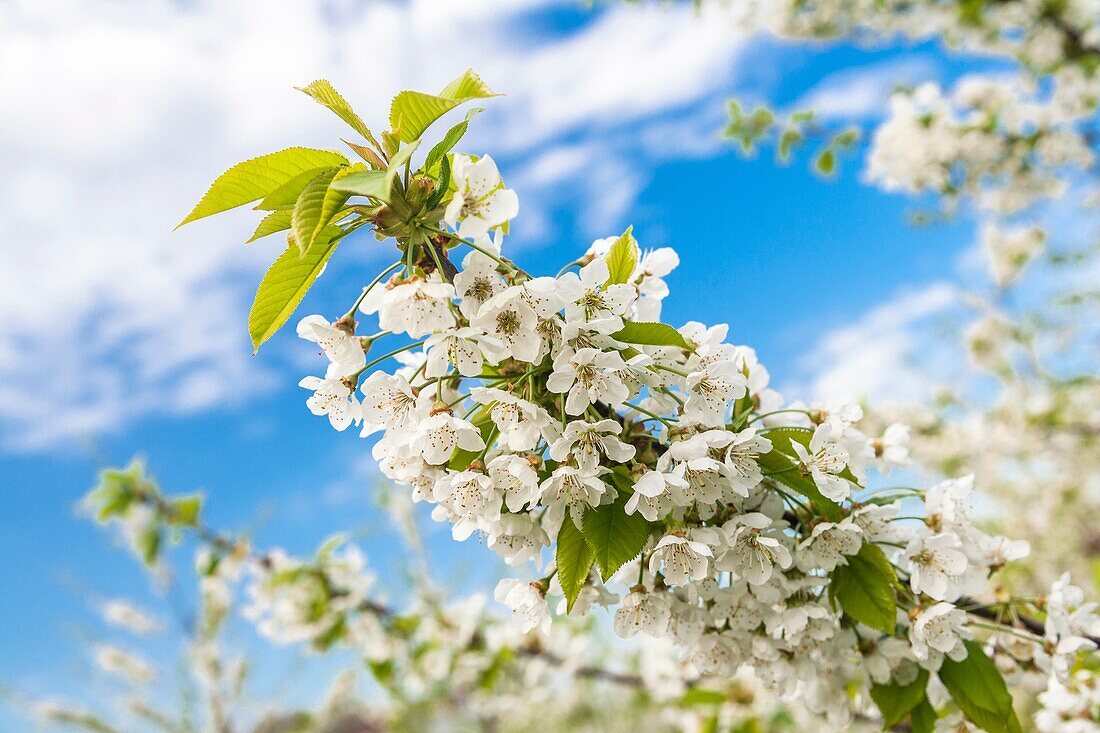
122, 338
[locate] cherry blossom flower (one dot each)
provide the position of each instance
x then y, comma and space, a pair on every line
476, 282
481, 201
522, 424
935, 562
511, 322
473, 500
588, 443
824, 459
518, 538
338, 344
829, 543
653, 494
710, 391
588, 376
527, 602
514, 476
587, 299
389, 400
416, 307
681, 559
739, 458
333, 397
937, 632
754, 550
892, 451
437, 437
642, 612
573, 489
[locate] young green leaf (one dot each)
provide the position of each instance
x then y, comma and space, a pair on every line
308, 210
325, 94
703, 696
826, 162
614, 536
286, 195
622, 258
253, 179
574, 561
148, 544
923, 717
286, 283
318, 203
411, 113
650, 334
452, 138
864, 588
895, 701
377, 185
368, 154
980, 691
374, 184
186, 509
276, 221
117, 490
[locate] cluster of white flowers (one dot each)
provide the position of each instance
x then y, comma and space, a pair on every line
990, 139
534, 406
650, 469
1008, 137
294, 601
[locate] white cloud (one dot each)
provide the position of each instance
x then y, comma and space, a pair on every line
118, 115
864, 92
885, 354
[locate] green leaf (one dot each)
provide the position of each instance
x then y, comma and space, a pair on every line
276, 221
309, 211
286, 283
923, 717
253, 179
186, 509
574, 561
895, 701
328, 546
650, 334
366, 153
319, 204
117, 490
324, 93
979, 690
375, 184
148, 543
703, 696
790, 137
865, 588
452, 138
826, 162
444, 183
622, 258
411, 113
286, 195
614, 536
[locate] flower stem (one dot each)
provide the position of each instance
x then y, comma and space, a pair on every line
375, 281
667, 421
388, 355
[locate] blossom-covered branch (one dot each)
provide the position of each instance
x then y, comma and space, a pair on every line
558, 416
